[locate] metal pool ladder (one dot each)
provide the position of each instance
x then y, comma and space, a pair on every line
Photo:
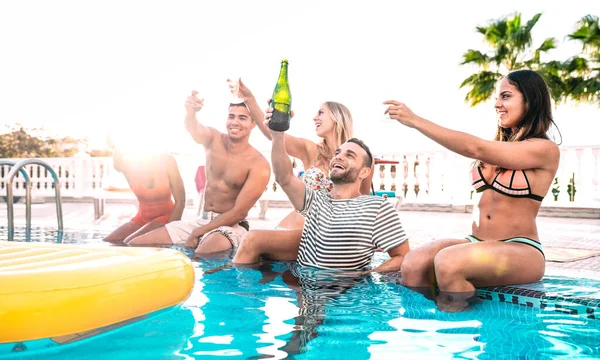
18, 167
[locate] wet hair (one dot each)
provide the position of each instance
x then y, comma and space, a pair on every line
342, 129
368, 158
538, 117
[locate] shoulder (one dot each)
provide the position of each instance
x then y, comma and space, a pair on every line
547, 147
542, 143
167, 160
258, 166
385, 205
259, 159
371, 200
376, 204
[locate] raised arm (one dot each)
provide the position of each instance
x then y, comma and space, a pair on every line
177, 187
256, 113
284, 175
528, 154
202, 134
302, 149
253, 188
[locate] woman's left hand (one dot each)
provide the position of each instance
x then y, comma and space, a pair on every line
399, 111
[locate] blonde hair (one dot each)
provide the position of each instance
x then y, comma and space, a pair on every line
342, 129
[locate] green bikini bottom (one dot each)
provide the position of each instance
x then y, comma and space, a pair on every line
521, 240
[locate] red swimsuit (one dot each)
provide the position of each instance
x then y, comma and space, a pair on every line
155, 203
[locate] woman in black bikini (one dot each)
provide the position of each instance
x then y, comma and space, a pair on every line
512, 173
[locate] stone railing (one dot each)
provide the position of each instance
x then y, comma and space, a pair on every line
78, 176
443, 177
423, 177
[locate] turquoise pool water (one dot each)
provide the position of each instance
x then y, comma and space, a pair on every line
281, 311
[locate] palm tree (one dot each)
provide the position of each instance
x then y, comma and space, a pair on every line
583, 76
511, 50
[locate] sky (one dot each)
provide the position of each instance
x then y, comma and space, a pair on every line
85, 68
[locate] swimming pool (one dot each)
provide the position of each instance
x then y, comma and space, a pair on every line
282, 311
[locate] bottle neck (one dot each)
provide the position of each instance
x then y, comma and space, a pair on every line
283, 73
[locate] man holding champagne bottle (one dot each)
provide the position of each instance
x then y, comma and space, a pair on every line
236, 176
342, 231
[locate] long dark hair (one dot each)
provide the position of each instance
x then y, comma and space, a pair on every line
538, 118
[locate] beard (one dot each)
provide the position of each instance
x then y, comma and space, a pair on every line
347, 177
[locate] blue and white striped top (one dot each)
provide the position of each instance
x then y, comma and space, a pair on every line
344, 233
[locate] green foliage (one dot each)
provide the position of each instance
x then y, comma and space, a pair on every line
510, 42
555, 189
482, 86
571, 190
584, 70
19, 144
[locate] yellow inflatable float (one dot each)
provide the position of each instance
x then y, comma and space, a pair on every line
61, 292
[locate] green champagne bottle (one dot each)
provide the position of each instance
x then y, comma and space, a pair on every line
281, 101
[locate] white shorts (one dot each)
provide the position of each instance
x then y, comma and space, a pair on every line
180, 231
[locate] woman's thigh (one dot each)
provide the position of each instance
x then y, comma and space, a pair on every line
418, 265
493, 263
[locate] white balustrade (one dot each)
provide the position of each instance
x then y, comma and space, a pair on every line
444, 177
439, 176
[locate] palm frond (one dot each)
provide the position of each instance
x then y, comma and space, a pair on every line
482, 86
548, 44
477, 57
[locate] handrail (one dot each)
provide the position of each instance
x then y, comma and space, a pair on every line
27, 190
9, 193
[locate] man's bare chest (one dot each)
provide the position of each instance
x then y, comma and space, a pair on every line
230, 170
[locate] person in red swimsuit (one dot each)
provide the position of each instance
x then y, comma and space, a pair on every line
512, 173
157, 184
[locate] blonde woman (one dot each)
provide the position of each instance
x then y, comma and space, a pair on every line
333, 124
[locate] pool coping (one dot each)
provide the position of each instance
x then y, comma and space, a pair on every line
532, 298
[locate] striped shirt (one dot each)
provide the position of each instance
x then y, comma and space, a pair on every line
344, 233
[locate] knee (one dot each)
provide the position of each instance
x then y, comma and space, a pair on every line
446, 268
248, 251
413, 268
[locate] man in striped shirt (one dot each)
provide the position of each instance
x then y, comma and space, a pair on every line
342, 232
